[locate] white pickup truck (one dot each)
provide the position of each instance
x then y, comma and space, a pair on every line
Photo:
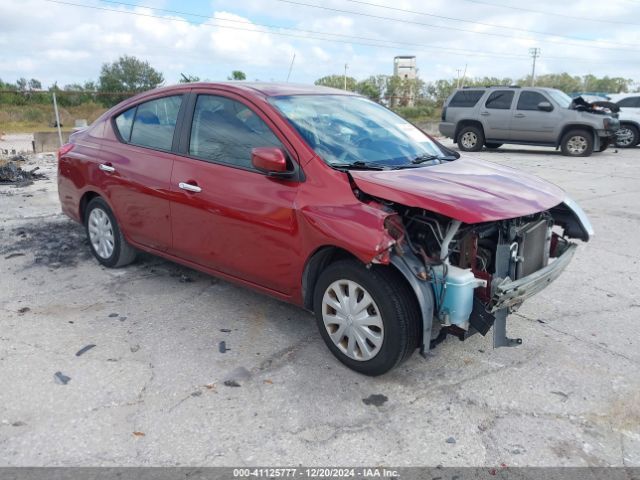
629, 133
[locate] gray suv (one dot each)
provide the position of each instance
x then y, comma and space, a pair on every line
492, 116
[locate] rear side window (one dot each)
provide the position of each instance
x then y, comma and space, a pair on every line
500, 100
630, 102
155, 122
466, 98
226, 131
124, 121
530, 100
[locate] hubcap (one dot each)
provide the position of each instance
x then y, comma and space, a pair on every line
469, 140
101, 233
624, 137
352, 320
577, 145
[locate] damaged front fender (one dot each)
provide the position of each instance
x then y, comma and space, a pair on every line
573, 220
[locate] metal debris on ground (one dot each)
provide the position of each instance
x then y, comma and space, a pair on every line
84, 349
12, 174
61, 378
222, 347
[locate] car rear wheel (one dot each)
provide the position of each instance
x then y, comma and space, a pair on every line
470, 139
368, 317
627, 136
492, 146
577, 143
105, 237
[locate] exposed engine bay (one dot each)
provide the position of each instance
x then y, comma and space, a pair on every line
479, 273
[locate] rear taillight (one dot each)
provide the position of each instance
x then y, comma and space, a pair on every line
63, 150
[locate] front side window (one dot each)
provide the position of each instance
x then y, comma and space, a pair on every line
343, 129
561, 98
530, 100
225, 131
500, 100
155, 123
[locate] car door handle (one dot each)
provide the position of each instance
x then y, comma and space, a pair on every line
485, 113
106, 168
189, 187
519, 115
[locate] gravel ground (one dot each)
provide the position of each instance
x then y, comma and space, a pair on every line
151, 391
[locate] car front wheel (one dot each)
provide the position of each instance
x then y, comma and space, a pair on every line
627, 136
470, 139
577, 143
368, 317
105, 237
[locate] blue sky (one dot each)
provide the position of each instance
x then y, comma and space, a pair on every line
68, 43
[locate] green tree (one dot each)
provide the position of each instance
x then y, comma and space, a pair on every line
35, 84
129, 75
237, 75
337, 81
21, 83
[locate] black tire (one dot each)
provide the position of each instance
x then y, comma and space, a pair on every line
577, 143
398, 309
492, 146
122, 253
632, 137
470, 139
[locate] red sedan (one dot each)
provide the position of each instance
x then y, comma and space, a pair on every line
324, 199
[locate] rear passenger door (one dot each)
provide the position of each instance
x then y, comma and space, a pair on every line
136, 169
495, 115
530, 124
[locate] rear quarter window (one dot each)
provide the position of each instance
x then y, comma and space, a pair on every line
466, 98
124, 121
154, 123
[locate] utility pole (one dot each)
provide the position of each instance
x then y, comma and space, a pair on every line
464, 75
345, 75
535, 53
458, 77
291, 66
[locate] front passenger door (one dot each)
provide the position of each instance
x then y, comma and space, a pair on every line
530, 124
225, 214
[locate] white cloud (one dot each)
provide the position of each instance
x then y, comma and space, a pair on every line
68, 44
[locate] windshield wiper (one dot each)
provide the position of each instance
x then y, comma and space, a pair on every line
360, 165
426, 157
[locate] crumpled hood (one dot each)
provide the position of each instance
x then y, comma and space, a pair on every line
468, 190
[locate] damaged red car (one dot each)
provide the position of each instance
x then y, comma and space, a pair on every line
323, 199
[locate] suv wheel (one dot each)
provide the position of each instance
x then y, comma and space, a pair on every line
577, 143
105, 238
470, 139
627, 136
368, 317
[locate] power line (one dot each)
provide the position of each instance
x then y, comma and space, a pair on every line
405, 21
377, 42
455, 19
449, 50
563, 15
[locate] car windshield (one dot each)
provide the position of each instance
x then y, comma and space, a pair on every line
560, 98
353, 131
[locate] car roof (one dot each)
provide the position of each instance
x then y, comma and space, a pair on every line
267, 89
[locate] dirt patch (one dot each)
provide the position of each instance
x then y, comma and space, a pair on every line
53, 244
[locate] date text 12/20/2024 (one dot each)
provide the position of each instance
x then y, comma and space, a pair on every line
314, 473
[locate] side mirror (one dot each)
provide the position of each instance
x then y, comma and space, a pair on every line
545, 106
270, 160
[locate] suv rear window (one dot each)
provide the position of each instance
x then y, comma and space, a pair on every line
466, 98
500, 100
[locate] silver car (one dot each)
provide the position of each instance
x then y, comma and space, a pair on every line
490, 117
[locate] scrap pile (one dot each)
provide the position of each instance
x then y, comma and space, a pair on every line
12, 174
